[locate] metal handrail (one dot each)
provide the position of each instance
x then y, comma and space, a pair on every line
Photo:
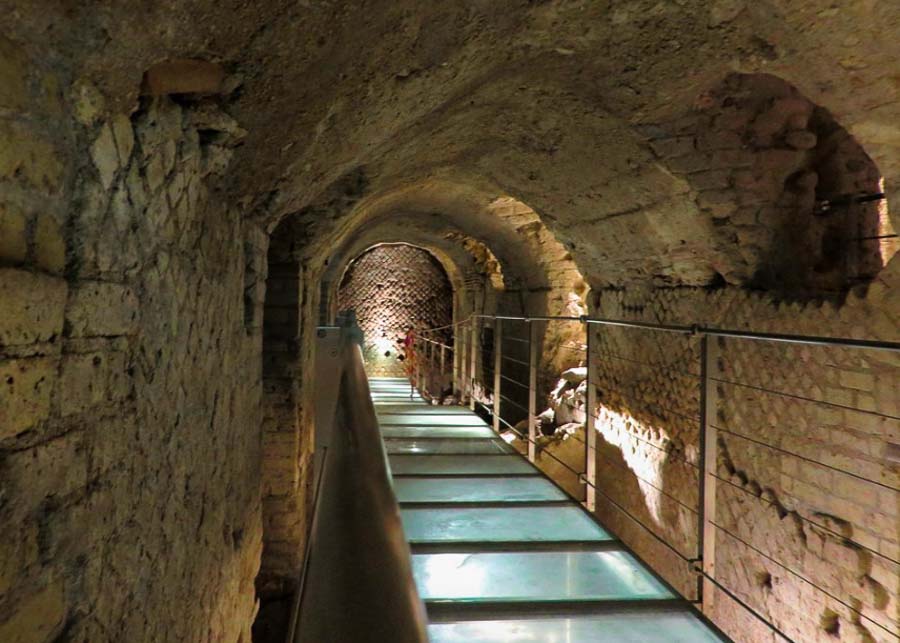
473, 375
358, 583
696, 329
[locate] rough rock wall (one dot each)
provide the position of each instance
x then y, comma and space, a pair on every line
129, 461
781, 182
287, 423
564, 293
392, 287
818, 510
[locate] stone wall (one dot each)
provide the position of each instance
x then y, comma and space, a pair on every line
808, 495
808, 474
391, 288
129, 457
783, 184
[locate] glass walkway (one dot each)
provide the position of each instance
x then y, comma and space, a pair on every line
500, 553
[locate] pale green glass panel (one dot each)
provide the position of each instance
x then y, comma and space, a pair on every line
393, 431
535, 576
644, 626
460, 464
476, 490
446, 446
490, 524
427, 409
432, 419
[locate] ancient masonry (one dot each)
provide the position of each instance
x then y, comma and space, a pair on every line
392, 288
182, 185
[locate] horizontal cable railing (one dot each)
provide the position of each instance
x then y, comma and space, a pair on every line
495, 369
357, 582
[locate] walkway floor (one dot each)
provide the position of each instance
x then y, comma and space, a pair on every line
500, 553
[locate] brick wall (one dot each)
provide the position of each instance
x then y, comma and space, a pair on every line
392, 287
773, 173
808, 482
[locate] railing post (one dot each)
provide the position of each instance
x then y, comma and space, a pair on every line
443, 365
463, 364
473, 359
420, 370
709, 450
498, 355
532, 388
590, 437
428, 370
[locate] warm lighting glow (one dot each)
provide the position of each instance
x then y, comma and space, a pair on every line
384, 345
449, 576
619, 429
889, 245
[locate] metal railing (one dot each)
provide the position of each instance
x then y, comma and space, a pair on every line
483, 377
357, 582
435, 371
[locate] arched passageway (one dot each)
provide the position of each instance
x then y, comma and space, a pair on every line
393, 289
179, 203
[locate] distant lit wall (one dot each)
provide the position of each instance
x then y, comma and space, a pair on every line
392, 287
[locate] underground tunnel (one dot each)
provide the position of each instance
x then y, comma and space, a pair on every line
461, 321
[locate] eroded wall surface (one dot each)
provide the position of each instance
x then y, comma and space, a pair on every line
679, 152
130, 480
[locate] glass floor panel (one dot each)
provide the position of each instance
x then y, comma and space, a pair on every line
394, 431
535, 576
460, 447
395, 395
388, 406
489, 524
476, 490
427, 409
432, 419
644, 626
456, 464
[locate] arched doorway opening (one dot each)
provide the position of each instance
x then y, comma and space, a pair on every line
394, 287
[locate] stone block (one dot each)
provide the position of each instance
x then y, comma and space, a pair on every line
801, 140
696, 162
28, 156
56, 468
25, 388
674, 147
105, 156
719, 139
33, 307
13, 76
711, 180
39, 617
859, 491
124, 136
87, 102
49, 245
13, 237
857, 380
183, 76
91, 379
102, 309
16, 555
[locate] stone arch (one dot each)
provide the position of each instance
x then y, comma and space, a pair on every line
796, 204
394, 286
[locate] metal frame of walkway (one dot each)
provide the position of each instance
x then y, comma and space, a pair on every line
500, 552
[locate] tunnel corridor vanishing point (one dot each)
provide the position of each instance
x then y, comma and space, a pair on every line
650, 245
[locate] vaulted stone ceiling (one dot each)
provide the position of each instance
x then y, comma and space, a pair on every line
554, 103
